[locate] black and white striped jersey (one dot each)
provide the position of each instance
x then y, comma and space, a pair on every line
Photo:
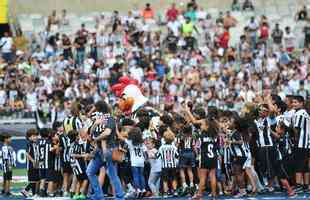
168, 153
72, 123
44, 147
239, 150
301, 123
264, 132
65, 147
78, 165
7, 158
32, 150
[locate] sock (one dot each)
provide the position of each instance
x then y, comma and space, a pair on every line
184, 185
33, 188
191, 184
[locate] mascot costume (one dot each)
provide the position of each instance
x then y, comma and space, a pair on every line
131, 101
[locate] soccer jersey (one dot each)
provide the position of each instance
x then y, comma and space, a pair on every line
32, 150
8, 158
78, 164
44, 148
65, 146
168, 153
301, 122
137, 154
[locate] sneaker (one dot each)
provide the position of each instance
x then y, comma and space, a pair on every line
131, 194
240, 195
292, 194
76, 197
270, 189
192, 190
82, 197
66, 194
51, 195
197, 197
298, 189
165, 195
183, 191
24, 193
175, 194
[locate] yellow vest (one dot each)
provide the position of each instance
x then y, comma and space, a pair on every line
187, 29
4, 11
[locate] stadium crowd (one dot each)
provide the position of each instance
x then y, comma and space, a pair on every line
239, 114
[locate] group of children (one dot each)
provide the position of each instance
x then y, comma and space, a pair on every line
189, 152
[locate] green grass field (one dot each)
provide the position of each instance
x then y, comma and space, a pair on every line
18, 172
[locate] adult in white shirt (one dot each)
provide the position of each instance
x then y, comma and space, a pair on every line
289, 39
174, 26
6, 44
136, 73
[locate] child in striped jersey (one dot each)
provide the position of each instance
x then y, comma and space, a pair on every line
8, 161
44, 146
78, 158
168, 154
54, 177
241, 156
32, 163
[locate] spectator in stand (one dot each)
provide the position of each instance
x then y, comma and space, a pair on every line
80, 42
307, 34
235, 5
289, 39
229, 21
248, 4
252, 28
191, 13
302, 14
277, 36
224, 39
172, 13
53, 22
264, 32
64, 21
148, 12
6, 46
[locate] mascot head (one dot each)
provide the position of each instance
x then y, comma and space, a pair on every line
130, 95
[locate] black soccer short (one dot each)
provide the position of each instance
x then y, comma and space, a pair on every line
33, 175
187, 159
7, 176
301, 157
54, 176
66, 167
43, 173
82, 177
208, 163
267, 158
169, 174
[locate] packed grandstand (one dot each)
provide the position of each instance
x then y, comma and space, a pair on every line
183, 101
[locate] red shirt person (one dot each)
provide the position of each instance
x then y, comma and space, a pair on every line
224, 39
172, 13
264, 31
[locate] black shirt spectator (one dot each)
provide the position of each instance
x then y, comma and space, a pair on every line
307, 35
277, 35
80, 42
302, 14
